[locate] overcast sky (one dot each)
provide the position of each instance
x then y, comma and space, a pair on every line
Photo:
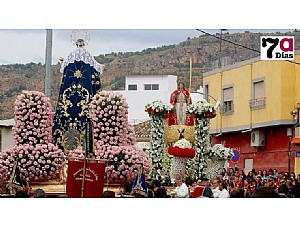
24, 46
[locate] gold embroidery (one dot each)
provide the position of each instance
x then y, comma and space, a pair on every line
78, 74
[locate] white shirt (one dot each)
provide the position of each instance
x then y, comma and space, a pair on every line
224, 194
182, 191
216, 192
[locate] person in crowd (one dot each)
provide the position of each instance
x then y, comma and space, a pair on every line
282, 191
237, 193
161, 192
246, 188
242, 173
290, 186
198, 190
239, 182
215, 188
264, 175
39, 193
226, 177
207, 193
293, 176
22, 194
295, 192
181, 189
230, 187
258, 182
108, 194
126, 193
265, 192
250, 176
223, 191
150, 187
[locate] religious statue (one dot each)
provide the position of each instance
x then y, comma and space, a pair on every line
80, 82
180, 99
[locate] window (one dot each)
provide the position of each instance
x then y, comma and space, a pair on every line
132, 87
258, 100
149, 87
206, 92
227, 107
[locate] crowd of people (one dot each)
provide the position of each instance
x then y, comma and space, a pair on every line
231, 183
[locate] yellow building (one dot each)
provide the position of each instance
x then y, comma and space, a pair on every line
257, 98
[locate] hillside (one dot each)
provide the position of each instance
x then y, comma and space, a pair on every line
164, 60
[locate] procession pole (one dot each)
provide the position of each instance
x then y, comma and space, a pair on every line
190, 74
83, 177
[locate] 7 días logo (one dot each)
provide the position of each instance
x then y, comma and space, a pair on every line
277, 47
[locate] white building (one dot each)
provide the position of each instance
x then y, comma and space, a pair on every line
7, 139
143, 89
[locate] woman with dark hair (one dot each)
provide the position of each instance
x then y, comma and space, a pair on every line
243, 175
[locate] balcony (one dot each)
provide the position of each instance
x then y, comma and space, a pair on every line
259, 103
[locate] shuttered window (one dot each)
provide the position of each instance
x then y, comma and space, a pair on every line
259, 90
227, 107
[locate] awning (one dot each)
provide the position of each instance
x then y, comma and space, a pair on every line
295, 140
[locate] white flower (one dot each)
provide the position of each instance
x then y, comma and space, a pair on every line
221, 152
183, 143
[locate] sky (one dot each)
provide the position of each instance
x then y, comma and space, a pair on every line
29, 45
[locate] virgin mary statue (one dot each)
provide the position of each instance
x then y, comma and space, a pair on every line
80, 82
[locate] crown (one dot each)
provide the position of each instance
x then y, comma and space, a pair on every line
80, 41
181, 80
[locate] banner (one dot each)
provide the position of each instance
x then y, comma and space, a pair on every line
92, 187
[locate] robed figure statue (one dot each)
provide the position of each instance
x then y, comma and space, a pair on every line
80, 82
180, 99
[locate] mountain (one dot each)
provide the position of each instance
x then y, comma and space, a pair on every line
168, 59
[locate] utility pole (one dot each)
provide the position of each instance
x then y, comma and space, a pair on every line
220, 55
48, 60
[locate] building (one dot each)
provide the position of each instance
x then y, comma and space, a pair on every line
257, 99
6, 133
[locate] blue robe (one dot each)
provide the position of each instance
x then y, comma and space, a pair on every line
80, 82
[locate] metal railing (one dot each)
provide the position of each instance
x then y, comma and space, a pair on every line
227, 108
258, 103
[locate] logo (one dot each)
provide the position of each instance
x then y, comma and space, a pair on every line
277, 47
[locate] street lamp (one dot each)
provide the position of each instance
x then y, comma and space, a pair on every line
217, 101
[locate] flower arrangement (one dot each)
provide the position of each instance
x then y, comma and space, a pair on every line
221, 152
157, 147
202, 108
110, 119
33, 119
115, 138
38, 159
182, 148
157, 107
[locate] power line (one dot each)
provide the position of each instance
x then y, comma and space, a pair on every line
237, 44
